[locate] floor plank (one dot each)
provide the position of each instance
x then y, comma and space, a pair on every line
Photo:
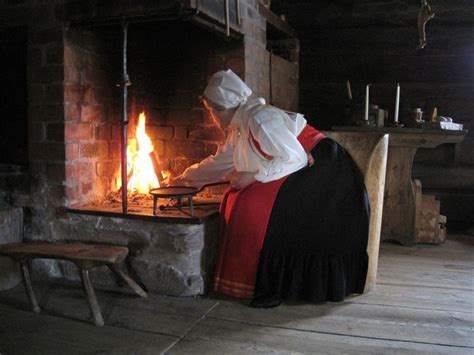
428, 278
30, 333
429, 298
157, 314
361, 320
217, 336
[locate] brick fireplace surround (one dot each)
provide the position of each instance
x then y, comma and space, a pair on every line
73, 121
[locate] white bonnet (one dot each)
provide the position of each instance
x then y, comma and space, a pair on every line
226, 89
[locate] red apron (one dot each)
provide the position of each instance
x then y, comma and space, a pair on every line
244, 218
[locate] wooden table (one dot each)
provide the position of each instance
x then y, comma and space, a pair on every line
398, 220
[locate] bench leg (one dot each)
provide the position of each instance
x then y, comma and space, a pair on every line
93, 304
29, 288
120, 271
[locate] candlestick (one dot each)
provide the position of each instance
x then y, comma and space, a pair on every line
366, 117
349, 91
397, 104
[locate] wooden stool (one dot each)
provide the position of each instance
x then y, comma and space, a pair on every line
84, 256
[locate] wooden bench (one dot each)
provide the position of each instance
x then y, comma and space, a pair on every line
84, 256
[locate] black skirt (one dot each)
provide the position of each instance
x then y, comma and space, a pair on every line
315, 246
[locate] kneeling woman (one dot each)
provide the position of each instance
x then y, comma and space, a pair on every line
295, 216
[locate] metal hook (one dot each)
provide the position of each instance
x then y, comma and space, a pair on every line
226, 14
237, 11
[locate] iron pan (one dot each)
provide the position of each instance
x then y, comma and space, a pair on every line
180, 191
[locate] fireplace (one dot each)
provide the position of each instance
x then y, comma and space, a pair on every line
75, 83
168, 63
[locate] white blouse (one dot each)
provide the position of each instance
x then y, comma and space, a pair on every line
254, 123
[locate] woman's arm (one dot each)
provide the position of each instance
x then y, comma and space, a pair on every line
211, 169
283, 153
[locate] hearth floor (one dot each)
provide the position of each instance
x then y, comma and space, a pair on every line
423, 303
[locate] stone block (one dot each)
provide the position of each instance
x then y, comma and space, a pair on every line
71, 75
78, 132
47, 112
48, 75
107, 168
180, 132
56, 197
44, 269
116, 132
35, 55
178, 165
36, 93
94, 150
54, 53
103, 132
72, 151
47, 35
72, 112
185, 148
73, 93
92, 75
92, 113
55, 172
55, 132
91, 96
166, 279
87, 190
212, 134
54, 94
47, 151
159, 147
114, 149
184, 117
11, 231
36, 132
160, 132
69, 55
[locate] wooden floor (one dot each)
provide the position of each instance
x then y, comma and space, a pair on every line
423, 304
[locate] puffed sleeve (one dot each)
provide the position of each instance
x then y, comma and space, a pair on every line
283, 154
214, 167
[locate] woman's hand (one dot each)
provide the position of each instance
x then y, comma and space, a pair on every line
175, 181
242, 179
310, 159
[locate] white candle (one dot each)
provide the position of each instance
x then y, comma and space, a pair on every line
349, 91
397, 104
366, 117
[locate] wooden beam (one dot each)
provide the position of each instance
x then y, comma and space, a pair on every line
276, 22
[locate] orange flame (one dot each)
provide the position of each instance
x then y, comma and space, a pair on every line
140, 171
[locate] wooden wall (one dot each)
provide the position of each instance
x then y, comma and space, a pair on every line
374, 41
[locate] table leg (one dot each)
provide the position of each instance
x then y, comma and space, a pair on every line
155, 204
120, 271
91, 298
191, 205
398, 219
29, 288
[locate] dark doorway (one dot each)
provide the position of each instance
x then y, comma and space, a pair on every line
13, 97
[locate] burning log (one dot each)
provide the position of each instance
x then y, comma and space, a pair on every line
141, 163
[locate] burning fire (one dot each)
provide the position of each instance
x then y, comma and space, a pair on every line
140, 170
